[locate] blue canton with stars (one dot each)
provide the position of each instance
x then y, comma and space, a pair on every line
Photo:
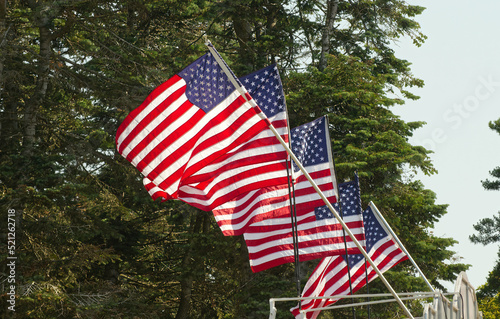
350, 200
374, 232
322, 212
266, 89
206, 83
309, 143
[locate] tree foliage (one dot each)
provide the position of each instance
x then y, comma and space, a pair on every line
493, 184
92, 244
488, 232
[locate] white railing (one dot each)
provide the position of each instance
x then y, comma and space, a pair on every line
463, 304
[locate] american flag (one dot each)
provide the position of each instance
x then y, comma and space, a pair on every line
263, 152
266, 89
270, 241
195, 120
331, 275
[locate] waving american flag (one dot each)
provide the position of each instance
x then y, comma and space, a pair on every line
331, 276
195, 136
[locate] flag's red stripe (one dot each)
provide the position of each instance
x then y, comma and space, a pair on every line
267, 229
255, 143
170, 139
317, 242
340, 279
272, 213
311, 231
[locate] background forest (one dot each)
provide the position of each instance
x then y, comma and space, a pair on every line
90, 241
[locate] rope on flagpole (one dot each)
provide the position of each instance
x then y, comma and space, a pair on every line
293, 210
242, 91
295, 235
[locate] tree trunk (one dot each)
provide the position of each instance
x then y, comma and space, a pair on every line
331, 12
189, 262
244, 30
34, 103
3, 38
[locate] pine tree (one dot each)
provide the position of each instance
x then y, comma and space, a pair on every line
91, 243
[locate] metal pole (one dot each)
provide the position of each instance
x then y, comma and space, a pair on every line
293, 210
366, 264
347, 258
295, 230
309, 178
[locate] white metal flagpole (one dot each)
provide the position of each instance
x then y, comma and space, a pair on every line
400, 244
243, 92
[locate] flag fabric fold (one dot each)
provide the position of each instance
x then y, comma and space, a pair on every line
270, 241
234, 216
273, 201
192, 138
331, 276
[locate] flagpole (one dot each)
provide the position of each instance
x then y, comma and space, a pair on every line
367, 289
400, 244
366, 266
295, 235
243, 92
293, 207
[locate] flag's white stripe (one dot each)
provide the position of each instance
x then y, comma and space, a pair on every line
286, 221
320, 281
357, 280
269, 207
283, 131
304, 250
253, 233
275, 193
279, 193
313, 169
261, 150
249, 235
152, 105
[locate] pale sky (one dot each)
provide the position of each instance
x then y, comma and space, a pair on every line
459, 63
